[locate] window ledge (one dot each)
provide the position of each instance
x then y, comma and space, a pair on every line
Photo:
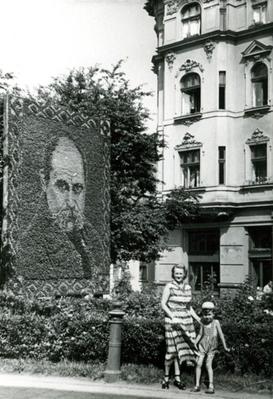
257, 111
230, 285
197, 293
188, 119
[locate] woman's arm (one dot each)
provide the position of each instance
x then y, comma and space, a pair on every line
200, 333
164, 301
195, 315
221, 335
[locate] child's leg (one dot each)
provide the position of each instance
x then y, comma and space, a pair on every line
198, 369
209, 361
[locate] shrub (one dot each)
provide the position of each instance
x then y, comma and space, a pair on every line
78, 329
143, 342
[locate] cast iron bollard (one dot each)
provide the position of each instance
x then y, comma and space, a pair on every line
112, 371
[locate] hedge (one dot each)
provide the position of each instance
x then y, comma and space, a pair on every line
78, 329
86, 339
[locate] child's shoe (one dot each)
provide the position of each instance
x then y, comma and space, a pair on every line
196, 389
210, 390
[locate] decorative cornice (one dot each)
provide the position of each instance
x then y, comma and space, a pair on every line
257, 138
218, 36
188, 142
256, 51
189, 65
172, 7
209, 46
170, 58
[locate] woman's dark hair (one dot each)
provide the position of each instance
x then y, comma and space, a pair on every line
179, 266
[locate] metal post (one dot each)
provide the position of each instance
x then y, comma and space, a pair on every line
272, 249
112, 372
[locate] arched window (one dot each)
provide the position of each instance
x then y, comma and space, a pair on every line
191, 20
191, 93
259, 80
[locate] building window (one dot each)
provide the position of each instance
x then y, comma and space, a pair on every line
260, 238
191, 20
204, 275
190, 164
260, 254
259, 163
262, 271
143, 272
259, 80
222, 165
204, 242
191, 93
223, 19
222, 90
259, 13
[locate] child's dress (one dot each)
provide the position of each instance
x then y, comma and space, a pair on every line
208, 342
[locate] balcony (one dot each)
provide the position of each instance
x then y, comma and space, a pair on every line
259, 181
188, 119
256, 112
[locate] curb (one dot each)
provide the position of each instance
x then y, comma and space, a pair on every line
71, 384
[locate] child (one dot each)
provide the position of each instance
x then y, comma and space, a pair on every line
207, 341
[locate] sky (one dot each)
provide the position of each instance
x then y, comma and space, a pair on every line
46, 38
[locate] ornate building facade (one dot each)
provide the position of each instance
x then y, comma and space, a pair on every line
215, 112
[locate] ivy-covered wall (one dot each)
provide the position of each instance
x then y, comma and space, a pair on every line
58, 199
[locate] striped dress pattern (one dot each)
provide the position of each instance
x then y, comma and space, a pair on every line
179, 338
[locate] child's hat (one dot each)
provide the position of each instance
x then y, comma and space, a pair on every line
208, 305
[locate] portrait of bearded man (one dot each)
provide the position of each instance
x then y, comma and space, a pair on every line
57, 197
60, 238
65, 186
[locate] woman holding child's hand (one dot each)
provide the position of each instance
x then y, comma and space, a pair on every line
179, 328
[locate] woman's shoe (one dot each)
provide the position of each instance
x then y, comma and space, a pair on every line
165, 384
179, 384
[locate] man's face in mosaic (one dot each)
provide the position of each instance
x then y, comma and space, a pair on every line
65, 190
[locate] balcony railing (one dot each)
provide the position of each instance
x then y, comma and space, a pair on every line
258, 181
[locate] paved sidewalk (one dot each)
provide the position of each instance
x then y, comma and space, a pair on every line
13, 386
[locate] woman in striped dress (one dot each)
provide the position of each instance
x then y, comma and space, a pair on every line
179, 329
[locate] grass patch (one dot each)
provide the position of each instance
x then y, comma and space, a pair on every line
133, 374
65, 368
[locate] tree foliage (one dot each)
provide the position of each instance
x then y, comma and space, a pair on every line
140, 218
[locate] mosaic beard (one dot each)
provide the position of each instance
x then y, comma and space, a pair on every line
68, 220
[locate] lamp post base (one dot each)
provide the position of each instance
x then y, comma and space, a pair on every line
111, 375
